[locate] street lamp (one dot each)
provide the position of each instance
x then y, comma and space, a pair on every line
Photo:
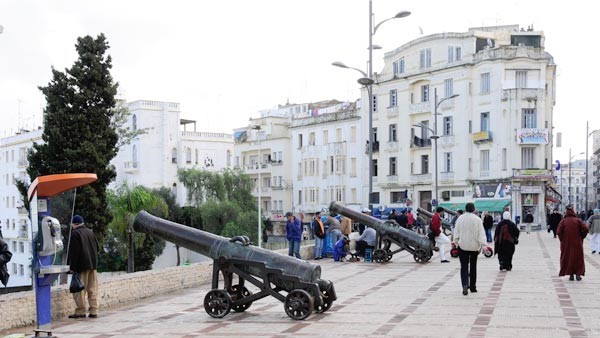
435, 137
257, 127
368, 81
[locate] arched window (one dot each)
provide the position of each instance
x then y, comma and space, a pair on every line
196, 157
134, 156
134, 122
174, 155
188, 156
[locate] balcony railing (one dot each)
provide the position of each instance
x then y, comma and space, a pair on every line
375, 147
447, 176
131, 166
420, 142
421, 107
392, 111
421, 178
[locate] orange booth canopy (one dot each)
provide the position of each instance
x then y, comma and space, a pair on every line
51, 185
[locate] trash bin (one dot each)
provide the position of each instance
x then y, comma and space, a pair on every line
327, 244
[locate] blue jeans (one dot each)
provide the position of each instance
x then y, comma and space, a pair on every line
318, 247
336, 235
294, 249
488, 235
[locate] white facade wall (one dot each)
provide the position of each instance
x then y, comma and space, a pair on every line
16, 226
475, 157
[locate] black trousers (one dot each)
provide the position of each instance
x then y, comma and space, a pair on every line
468, 267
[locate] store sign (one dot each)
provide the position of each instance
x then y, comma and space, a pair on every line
528, 189
532, 136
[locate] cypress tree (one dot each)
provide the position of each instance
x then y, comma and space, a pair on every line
79, 134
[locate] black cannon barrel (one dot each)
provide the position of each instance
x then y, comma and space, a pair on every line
215, 246
383, 228
428, 214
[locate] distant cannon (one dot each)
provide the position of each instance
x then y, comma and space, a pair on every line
427, 215
271, 272
389, 232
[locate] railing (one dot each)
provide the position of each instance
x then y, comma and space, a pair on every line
23, 234
447, 176
375, 147
421, 178
419, 142
393, 111
421, 107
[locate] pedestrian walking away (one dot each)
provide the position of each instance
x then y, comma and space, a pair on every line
469, 237
293, 233
554, 220
488, 224
571, 232
506, 237
594, 224
83, 259
441, 239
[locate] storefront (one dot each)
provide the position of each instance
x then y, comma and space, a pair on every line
529, 194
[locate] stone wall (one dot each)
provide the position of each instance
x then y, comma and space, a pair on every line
18, 309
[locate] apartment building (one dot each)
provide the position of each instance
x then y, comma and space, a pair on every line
493, 89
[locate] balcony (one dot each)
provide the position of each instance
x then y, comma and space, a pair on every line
393, 112
532, 136
419, 108
22, 163
375, 147
446, 176
482, 136
421, 178
447, 104
392, 146
446, 141
23, 234
420, 142
22, 211
131, 166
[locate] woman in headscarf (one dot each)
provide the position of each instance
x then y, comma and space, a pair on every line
571, 231
505, 239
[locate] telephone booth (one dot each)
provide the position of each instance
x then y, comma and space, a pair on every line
47, 241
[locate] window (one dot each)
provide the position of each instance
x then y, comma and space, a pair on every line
448, 87
134, 122
425, 58
447, 162
311, 139
425, 93
454, 53
504, 159
352, 134
393, 133
425, 130
21, 247
485, 122
470, 126
398, 66
353, 167
457, 193
174, 155
484, 161
485, 83
397, 196
458, 53
375, 135
447, 125
188, 156
470, 164
528, 119
424, 164
325, 136
527, 157
375, 167
521, 79
450, 54
392, 166
338, 135
196, 156
393, 98
299, 140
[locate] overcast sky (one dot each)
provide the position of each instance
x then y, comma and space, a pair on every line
226, 60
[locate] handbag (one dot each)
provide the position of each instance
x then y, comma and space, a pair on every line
4, 275
76, 284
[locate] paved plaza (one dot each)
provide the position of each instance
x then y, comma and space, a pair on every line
398, 299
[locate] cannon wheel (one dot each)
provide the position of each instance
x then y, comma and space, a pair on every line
217, 303
326, 303
389, 255
421, 256
237, 294
380, 256
298, 304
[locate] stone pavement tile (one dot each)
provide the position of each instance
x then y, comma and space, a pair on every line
438, 329
512, 332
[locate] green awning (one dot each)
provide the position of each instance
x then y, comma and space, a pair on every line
494, 205
453, 206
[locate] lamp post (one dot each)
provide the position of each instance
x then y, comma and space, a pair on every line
367, 81
259, 189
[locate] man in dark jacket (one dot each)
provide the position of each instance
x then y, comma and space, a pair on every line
293, 233
5, 257
554, 220
83, 259
319, 231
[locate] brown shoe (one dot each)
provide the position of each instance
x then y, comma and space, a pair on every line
75, 316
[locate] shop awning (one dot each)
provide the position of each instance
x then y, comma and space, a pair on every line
494, 205
453, 206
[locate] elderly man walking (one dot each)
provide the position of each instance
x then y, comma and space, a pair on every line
469, 236
594, 223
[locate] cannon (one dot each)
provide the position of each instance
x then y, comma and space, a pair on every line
294, 282
389, 232
427, 215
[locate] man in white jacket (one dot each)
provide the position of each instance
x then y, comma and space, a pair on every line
469, 235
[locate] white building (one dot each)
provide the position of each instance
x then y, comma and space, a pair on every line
576, 194
14, 218
495, 138
153, 158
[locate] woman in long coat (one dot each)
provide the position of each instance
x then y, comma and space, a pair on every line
571, 231
506, 237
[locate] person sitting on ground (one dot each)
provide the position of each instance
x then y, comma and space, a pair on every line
340, 249
367, 239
